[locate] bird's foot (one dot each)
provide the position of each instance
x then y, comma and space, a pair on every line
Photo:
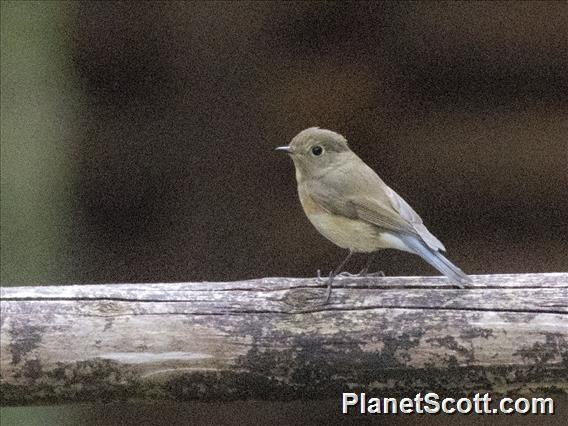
362, 274
375, 274
321, 277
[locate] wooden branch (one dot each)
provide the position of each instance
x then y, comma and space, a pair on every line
270, 339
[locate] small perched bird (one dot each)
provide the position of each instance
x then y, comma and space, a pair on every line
351, 206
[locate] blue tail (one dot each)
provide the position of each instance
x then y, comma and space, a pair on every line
438, 261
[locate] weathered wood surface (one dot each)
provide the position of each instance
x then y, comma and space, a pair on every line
269, 339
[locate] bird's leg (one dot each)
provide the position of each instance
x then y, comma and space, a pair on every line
320, 277
365, 269
334, 274
362, 273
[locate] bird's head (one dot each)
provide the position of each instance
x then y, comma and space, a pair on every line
314, 151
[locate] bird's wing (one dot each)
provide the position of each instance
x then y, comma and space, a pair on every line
359, 193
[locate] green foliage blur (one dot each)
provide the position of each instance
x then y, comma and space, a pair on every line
38, 98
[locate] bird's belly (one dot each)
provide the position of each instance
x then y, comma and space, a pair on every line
354, 234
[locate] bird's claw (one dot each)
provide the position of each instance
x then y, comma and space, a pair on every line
364, 273
321, 277
375, 274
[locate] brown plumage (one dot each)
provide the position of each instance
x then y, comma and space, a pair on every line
351, 206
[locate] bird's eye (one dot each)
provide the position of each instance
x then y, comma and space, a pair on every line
317, 150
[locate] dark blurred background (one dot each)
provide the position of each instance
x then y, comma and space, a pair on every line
137, 137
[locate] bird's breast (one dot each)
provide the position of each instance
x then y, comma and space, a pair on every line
345, 232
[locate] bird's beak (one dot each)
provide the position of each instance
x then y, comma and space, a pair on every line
285, 149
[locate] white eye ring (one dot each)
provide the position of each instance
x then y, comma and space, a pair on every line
317, 150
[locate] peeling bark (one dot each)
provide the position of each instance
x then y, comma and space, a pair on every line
271, 339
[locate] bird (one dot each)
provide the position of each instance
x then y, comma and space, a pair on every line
350, 205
